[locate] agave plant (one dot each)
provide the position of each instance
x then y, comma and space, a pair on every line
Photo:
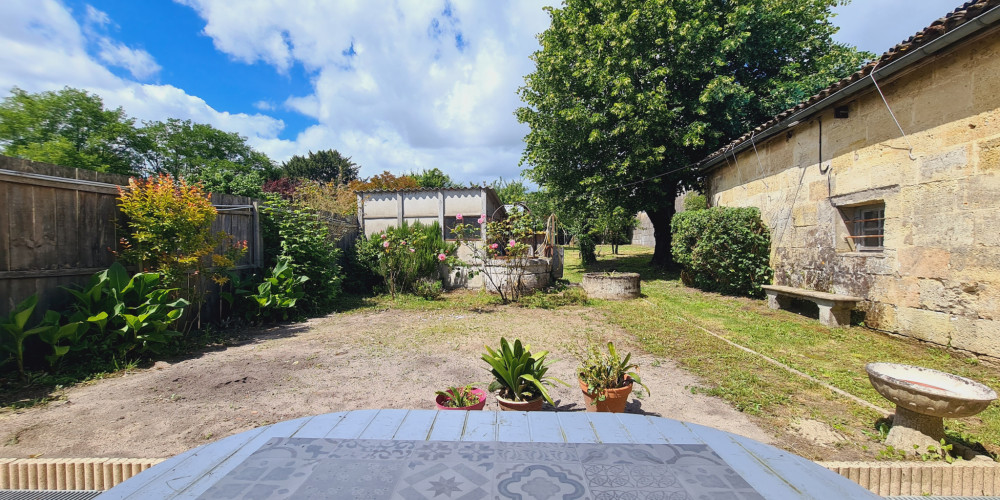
519, 375
602, 371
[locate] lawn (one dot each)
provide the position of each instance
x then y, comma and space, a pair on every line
669, 320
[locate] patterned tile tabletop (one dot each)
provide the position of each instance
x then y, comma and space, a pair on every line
306, 468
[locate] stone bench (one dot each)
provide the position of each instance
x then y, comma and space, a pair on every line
834, 310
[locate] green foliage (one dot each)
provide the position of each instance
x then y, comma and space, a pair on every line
324, 166
602, 371
14, 331
296, 232
723, 249
186, 149
459, 397
615, 226
695, 201
125, 316
68, 127
433, 178
170, 226
428, 288
277, 294
510, 192
630, 93
405, 255
518, 374
505, 244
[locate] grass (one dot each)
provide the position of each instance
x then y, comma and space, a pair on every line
666, 319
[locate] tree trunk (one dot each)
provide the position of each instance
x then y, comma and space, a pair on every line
660, 217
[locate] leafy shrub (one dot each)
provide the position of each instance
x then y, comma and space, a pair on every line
505, 240
170, 226
15, 333
723, 249
428, 288
125, 316
359, 262
295, 232
270, 298
695, 201
406, 254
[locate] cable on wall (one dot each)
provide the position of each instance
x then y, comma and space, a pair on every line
893, 115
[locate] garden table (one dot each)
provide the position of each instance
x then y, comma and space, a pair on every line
464, 455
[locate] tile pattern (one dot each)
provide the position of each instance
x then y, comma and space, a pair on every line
415, 470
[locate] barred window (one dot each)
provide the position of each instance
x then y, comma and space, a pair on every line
867, 227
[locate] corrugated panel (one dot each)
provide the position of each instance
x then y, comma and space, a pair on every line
47, 495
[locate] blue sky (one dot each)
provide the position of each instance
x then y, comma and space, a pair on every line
399, 86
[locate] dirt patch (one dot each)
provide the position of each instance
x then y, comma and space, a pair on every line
389, 359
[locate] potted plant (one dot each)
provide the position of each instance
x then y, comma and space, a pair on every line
461, 398
519, 376
606, 380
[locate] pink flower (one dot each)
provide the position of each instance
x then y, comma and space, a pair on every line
494, 246
412, 250
404, 242
442, 256
458, 217
482, 219
385, 244
383, 236
511, 243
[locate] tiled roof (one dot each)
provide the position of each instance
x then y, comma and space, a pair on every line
960, 16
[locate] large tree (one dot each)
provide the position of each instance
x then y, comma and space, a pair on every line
433, 178
68, 127
323, 166
628, 94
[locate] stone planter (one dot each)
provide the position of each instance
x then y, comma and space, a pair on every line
611, 286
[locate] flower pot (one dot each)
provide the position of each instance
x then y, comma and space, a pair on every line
481, 394
614, 401
508, 405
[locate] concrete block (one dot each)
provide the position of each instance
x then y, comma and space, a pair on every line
819, 190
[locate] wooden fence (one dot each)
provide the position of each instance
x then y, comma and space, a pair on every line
59, 226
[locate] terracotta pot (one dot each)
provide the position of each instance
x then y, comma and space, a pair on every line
614, 401
508, 405
481, 394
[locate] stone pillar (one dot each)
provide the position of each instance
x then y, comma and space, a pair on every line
833, 313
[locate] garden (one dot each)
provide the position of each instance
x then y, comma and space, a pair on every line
131, 369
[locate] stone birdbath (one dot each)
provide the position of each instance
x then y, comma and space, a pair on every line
923, 397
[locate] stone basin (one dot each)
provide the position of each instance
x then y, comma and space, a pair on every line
923, 397
929, 392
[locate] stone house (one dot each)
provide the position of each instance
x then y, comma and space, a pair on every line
910, 223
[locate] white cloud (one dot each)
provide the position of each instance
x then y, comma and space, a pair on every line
45, 48
136, 61
399, 86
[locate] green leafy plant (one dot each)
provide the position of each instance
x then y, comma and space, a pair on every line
723, 249
14, 331
518, 374
459, 397
170, 232
427, 288
126, 315
407, 258
602, 371
297, 232
504, 246
277, 294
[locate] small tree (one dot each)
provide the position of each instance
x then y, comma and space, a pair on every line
615, 226
723, 249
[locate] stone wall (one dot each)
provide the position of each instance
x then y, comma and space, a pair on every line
938, 276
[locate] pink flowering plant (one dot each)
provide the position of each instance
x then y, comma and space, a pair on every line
504, 247
409, 257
